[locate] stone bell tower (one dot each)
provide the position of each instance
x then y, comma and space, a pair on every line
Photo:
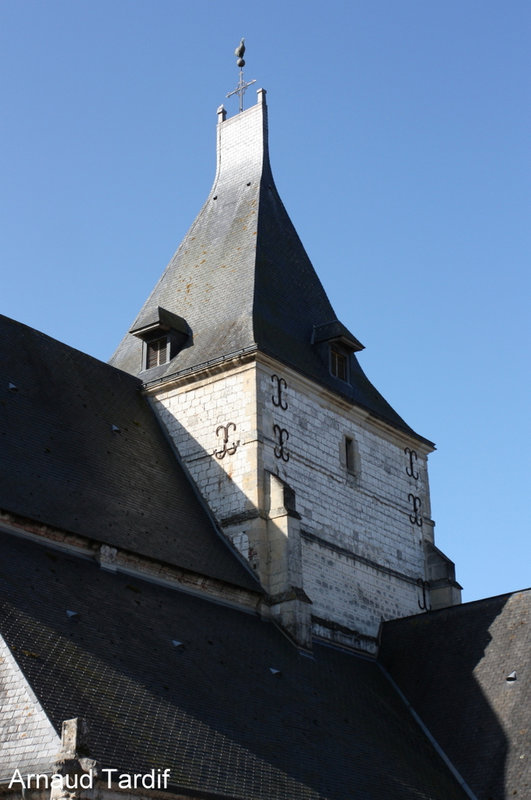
308, 471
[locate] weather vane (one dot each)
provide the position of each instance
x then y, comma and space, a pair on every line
242, 85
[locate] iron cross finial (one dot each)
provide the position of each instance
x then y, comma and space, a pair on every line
242, 85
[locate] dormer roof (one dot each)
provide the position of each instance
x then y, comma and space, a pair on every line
158, 319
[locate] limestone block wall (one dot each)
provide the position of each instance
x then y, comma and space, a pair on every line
362, 554
212, 422
28, 741
364, 514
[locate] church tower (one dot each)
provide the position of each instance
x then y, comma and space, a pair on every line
308, 471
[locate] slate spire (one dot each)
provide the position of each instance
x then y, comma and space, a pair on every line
241, 281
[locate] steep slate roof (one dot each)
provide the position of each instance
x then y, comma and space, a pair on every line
242, 280
460, 689
62, 464
212, 711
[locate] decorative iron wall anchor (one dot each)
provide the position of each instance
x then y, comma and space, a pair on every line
227, 451
423, 585
415, 517
283, 437
278, 400
410, 468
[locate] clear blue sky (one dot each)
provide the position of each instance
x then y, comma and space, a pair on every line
399, 139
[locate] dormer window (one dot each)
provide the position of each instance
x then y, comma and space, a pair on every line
157, 352
340, 344
338, 364
163, 334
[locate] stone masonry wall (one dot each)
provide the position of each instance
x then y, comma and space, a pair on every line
28, 741
199, 416
362, 545
362, 554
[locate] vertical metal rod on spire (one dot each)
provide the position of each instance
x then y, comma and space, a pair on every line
242, 85
241, 89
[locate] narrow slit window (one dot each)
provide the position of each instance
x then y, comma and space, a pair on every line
349, 454
157, 352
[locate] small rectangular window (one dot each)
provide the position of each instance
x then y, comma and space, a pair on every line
157, 352
349, 454
338, 364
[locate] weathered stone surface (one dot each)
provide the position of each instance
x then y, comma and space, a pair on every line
28, 741
364, 558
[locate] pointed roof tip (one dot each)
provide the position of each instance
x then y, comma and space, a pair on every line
243, 245
222, 112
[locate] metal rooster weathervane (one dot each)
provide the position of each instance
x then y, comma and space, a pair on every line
242, 85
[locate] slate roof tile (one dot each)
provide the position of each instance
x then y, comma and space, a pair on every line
61, 463
457, 684
330, 727
242, 279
